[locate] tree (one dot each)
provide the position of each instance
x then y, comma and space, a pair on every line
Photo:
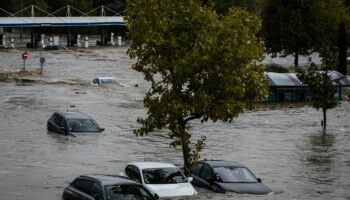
300, 27
223, 6
342, 45
201, 66
321, 87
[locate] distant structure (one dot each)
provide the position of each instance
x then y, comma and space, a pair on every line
50, 20
287, 87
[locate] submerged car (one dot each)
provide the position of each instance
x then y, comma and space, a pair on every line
105, 187
227, 176
72, 122
104, 80
164, 179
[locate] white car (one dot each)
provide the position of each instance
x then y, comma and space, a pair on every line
103, 80
163, 179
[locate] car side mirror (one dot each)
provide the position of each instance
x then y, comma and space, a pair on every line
102, 129
259, 180
156, 196
190, 179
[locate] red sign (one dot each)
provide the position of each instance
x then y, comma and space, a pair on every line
24, 55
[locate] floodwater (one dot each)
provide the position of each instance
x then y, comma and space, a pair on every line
284, 146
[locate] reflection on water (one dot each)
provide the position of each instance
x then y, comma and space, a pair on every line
281, 144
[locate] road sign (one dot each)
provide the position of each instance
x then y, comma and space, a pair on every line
24, 55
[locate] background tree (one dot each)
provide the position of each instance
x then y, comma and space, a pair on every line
342, 45
201, 65
321, 87
301, 27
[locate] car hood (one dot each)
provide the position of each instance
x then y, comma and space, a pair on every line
246, 188
172, 190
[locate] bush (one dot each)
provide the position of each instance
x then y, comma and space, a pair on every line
273, 67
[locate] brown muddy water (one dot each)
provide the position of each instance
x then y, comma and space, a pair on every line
284, 146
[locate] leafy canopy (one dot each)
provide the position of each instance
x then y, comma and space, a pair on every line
201, 65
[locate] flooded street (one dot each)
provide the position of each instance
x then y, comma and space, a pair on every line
283, 146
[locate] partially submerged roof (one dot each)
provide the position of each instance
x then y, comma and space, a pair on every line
153, 165
73, 115
111, 180
222, 163
291, 79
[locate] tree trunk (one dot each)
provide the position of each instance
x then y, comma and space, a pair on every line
186, 157
296, 59
324, 122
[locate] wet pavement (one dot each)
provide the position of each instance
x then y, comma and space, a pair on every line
284, 146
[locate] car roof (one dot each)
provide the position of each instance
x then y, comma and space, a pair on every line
110, 179
222, 163
106, 78
150, 164
73, 115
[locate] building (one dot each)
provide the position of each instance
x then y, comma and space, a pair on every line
288, 87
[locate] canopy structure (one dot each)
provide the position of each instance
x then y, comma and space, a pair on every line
84, 19
291, 79
60, 21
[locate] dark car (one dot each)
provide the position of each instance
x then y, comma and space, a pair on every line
72, 122
227, 176
105, 187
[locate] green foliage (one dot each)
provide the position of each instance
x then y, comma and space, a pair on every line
201, 65
273, 67
321, 88
223, 6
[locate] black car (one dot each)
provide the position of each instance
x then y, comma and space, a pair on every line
105, 187
227, 176
72, 122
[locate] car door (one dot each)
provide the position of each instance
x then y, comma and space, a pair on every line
80, 189
96, 191
59, 123
205, 175
133, 173
196, 169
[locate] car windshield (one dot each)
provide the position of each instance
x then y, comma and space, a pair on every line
112, 81
235, 175
127, 192
82, 125
163, 176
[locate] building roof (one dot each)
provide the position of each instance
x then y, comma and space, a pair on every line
291, 79
60, 21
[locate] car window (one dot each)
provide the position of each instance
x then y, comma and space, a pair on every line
133, 173
206, 172
196, 168
112, 81
60, 121
167, 175
127, 192
82, 125
83, 185
95, 81
235, 174
96, 190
